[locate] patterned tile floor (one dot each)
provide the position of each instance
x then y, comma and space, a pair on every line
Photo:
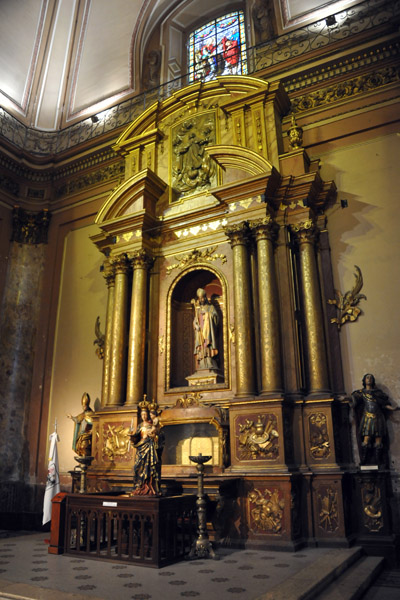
243, 574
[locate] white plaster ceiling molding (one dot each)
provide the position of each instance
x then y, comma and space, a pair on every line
102, 64
21, 32
296, 13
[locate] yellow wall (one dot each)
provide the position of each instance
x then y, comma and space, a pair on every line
76, 367
366, 234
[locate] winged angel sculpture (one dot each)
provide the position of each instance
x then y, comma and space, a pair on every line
346, 304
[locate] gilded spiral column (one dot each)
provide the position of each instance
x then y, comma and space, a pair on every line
238, 235
119, 331
137, 331
265, 231
109, 276
305, 237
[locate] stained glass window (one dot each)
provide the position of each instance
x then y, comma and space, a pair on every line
218, 48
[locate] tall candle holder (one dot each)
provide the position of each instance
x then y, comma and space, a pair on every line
84, 462
201, 547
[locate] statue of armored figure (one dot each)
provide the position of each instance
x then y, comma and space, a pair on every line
370, 404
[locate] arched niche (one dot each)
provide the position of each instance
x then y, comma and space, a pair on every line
181, 360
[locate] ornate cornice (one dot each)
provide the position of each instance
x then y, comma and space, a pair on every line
101, 175
346, 89
344, 66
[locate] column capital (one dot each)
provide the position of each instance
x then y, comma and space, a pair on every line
120, 264
140, 259
108, 272
30, 227
238, 233
264, 229
305, 231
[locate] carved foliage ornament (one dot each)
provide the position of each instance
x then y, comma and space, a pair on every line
100, 339
266, 511
196, 256
189, 400
346, 304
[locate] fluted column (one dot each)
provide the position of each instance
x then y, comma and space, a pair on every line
265, 231
119, 331
137, 331
109, 276
244, 347
305, 236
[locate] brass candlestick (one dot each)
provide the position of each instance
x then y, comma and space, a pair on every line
201, 547
84, 462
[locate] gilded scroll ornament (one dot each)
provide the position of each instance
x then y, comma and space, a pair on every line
346, 304
189, 400
100, 339
328, 514
116, 441
319, 438
192, 168
196, 256
260, 439
372, 506
266, 510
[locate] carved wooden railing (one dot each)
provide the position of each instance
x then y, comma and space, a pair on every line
142, 530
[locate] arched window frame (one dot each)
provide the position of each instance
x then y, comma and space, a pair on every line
224, 51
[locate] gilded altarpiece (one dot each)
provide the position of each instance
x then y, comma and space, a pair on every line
218, 287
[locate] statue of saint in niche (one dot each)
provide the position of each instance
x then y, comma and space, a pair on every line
205, 324
82, 440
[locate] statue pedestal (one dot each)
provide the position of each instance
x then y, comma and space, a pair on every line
375, 524
205, 377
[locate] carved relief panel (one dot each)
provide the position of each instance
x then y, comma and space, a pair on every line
329, 514
319, 438
111, 442
192, 170
257, 437
271, 508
